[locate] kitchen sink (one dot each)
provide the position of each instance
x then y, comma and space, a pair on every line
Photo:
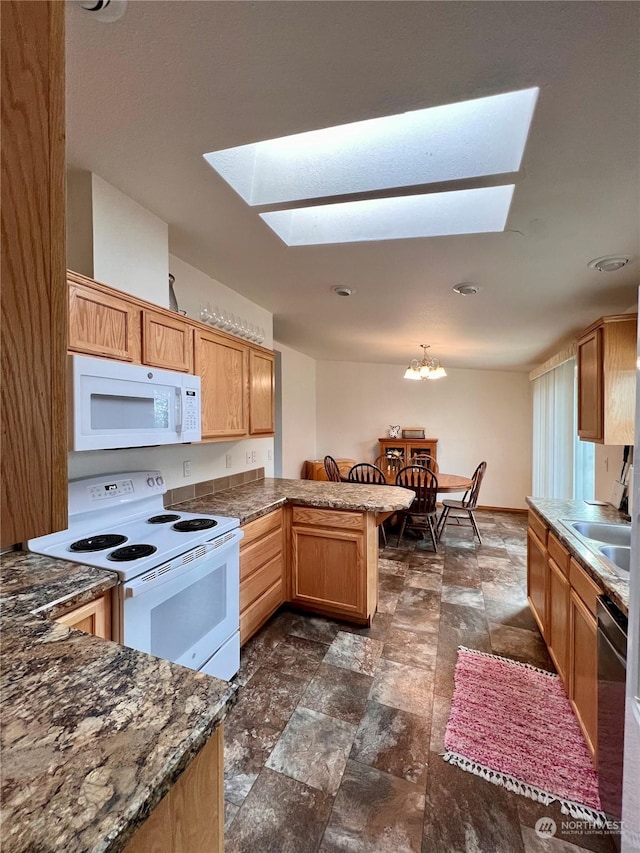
609, 534
619, 556
609, 541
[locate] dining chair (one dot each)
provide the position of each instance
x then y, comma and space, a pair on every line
427, 460
364, 472
466, 506
422, 514
369, 474
331, 469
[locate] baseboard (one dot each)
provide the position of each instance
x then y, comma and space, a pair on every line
503, 509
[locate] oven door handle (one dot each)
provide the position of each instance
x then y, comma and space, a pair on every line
152, 578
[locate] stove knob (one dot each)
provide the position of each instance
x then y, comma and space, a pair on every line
150, 482
160, 481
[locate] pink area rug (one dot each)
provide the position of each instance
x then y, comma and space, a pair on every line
512, 724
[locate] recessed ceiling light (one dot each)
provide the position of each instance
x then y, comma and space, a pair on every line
608, 263
466, 288
339, 290
485, 136
432, 215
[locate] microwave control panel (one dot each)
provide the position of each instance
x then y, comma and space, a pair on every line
191, 410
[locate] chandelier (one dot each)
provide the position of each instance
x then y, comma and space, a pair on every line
428, 368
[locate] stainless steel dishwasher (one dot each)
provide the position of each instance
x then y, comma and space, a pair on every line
612, 672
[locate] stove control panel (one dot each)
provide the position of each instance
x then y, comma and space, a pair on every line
114, 489
111, 490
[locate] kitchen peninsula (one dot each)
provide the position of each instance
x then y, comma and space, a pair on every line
311, 543
96, 736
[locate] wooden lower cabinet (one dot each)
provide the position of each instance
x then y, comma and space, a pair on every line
559, 619
583, 675
190, 817
262, 572
92, 618
537, 572
334, 568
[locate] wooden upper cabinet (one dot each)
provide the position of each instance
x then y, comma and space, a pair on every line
607, 379
261, 393
222, 365
33, 296
102, 323
167, 342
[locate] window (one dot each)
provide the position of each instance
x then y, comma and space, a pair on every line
563, 466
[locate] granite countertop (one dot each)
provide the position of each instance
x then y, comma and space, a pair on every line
260, 497
554, 511
93, 733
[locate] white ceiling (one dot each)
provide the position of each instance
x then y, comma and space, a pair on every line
150, 94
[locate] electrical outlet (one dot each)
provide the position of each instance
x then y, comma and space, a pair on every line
254, 456
227, 460
248, 456
186, 468
269, 453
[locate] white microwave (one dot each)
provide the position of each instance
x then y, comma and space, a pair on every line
114, 404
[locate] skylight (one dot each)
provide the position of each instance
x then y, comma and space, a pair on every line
431, 215
485, 136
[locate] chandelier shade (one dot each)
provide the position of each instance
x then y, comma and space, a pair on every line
428, 368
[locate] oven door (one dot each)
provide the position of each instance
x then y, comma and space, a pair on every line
185, 610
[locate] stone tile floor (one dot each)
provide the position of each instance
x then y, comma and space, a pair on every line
335, 742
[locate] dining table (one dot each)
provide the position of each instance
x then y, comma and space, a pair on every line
447, 483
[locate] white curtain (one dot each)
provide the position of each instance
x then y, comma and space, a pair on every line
563, 466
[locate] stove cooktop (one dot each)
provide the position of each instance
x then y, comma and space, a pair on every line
119, 523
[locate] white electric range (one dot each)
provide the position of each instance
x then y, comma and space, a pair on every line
178, 596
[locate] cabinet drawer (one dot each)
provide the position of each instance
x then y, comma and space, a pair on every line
260, 581
260, 552
256, 614
539, 527
585, 588
260, 527
328, 518
558, 553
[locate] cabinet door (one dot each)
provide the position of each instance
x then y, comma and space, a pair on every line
222, 366
92, 618
421, 448
103, 325
558, 620
591, 386
167, 342
328, 570
583, 679
34, 290
537, 571
261, 393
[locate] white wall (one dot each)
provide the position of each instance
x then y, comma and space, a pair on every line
608, 466
130, 245
298, 389
193, 288
475, 414
208, 461
80, 222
